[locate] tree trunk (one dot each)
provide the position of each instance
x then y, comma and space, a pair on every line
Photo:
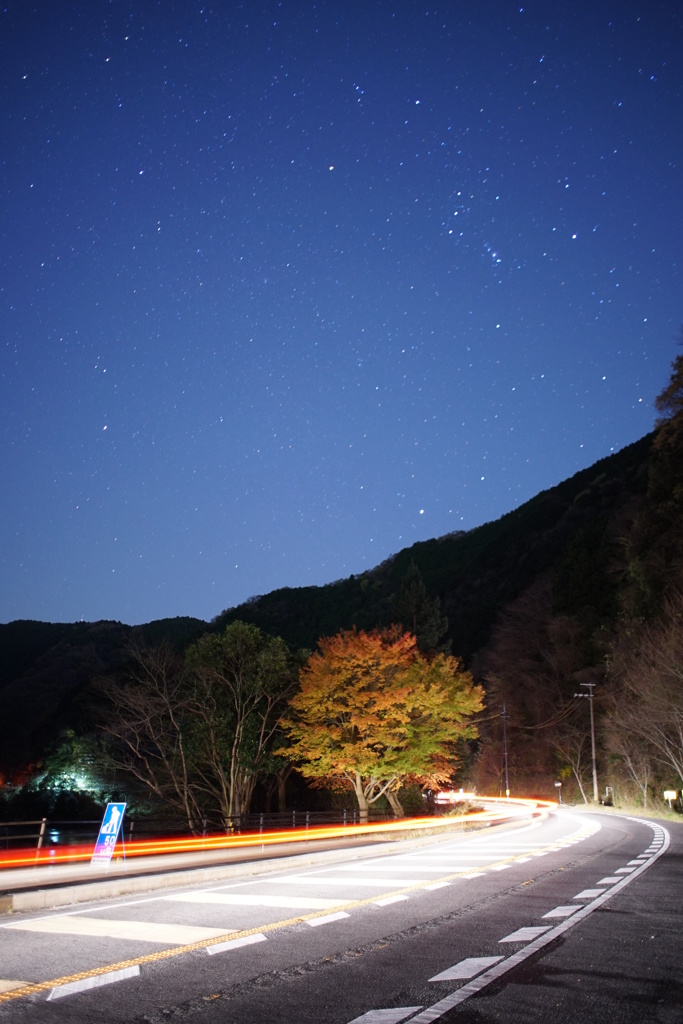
395, 804
580, 784
363, 805
281, 779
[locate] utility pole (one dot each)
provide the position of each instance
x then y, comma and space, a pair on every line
590, 687
505, 748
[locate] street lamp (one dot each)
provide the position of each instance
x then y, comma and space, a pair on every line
590, 687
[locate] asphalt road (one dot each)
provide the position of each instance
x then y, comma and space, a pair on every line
575, 918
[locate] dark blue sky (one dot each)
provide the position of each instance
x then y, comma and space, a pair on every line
286, 287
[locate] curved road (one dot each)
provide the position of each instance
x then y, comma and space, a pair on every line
572, 918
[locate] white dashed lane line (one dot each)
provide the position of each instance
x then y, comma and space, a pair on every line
561, 911
244, 940
467, 969
84, 984
315, 922
526, 934
394, 1015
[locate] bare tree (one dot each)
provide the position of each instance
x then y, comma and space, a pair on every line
147, 718
639, 767
574, 748
647, 709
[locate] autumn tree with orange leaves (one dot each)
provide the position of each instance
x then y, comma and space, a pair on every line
373, 713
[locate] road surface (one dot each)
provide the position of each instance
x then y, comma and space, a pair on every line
574, 918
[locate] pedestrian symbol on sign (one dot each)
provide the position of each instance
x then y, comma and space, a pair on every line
110, 823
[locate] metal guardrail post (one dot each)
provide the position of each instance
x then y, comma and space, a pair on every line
41, 834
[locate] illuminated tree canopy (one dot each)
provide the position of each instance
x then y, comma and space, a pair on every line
373, 713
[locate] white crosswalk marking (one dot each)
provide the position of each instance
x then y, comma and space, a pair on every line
146, 931
340, 880
7, 985
249, 900
442, 868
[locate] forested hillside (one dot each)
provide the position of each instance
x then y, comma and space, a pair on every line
575, 587
475, 574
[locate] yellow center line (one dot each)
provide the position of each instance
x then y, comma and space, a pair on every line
33, 988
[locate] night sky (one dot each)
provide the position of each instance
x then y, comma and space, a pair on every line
286, 287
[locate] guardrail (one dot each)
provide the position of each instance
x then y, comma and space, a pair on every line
48, 832
9, 833
249, 832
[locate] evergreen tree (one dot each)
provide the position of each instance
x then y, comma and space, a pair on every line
421, 615
657, 563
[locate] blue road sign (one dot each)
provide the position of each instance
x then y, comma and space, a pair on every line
109, 833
